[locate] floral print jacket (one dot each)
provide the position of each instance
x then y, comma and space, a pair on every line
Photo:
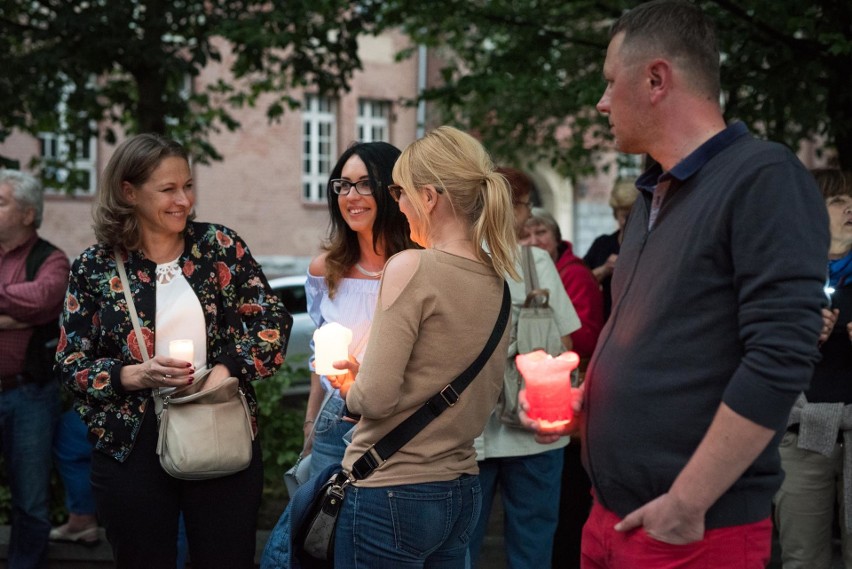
247, 327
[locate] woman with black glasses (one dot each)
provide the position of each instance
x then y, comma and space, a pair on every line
366, 228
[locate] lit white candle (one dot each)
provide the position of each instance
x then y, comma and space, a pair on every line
182, 350
331, 344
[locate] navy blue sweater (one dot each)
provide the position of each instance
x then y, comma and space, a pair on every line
720, 301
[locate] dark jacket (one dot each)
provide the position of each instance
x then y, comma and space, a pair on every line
247, 327
719, 302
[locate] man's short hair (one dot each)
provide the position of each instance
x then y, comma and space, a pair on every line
26, 190
676, 30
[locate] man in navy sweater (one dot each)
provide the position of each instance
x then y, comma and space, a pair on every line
716, 313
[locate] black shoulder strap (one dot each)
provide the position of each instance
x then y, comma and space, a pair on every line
42, 345
37, 255
447, 397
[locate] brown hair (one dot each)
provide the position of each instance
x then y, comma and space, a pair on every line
134, 161
520, 184
677, 30
833, 182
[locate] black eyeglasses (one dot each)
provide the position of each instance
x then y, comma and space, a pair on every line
396, 191
342, 187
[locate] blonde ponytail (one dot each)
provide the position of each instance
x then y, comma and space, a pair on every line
495, 225
454, 161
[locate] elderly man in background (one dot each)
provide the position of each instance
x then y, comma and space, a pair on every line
33, 278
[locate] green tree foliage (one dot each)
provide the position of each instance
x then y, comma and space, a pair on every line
71, 66
525, 74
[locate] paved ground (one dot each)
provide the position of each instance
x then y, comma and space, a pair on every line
66, 556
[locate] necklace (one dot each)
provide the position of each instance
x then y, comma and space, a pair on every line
166, 272
371, 274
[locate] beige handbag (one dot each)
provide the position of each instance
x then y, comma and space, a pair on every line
205, 434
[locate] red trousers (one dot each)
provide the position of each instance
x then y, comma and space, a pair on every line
736, 547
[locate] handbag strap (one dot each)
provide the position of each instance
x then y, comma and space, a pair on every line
529, 273
377, 454
134, 318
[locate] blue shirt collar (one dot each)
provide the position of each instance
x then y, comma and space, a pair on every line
684, 169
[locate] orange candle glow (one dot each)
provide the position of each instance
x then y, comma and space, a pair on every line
548, 387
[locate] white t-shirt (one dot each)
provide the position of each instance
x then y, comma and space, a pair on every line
179, 315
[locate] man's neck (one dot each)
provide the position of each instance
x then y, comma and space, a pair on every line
687, 127
16, 240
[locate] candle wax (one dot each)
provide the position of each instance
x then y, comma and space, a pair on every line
548, 387
182, 350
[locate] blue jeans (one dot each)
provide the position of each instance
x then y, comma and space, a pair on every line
530, 489
414, 525
27, 418
73, 454
328, 447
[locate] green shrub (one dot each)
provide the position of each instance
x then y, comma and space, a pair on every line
281, 415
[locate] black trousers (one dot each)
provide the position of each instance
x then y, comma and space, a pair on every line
575, 503
139, 505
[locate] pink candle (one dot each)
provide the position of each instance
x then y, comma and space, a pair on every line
548, 386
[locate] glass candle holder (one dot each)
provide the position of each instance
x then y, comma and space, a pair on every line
547, 382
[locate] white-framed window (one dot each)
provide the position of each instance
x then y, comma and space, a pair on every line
373, 122
319, 146
55, 150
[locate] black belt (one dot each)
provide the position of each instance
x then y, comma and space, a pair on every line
10, 382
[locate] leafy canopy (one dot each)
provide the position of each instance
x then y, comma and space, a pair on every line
72, 66
525, 74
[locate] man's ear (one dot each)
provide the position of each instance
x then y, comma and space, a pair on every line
659, 77
30, 216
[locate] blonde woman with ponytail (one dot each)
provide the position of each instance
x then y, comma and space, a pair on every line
437, 308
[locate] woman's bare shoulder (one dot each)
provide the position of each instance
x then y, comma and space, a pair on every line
398, 273
317, 266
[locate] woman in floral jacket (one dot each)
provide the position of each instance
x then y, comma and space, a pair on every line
188, 280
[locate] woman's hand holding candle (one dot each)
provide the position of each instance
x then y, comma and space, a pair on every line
829, 320
346, 378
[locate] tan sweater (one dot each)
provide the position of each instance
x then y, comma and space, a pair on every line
430, 334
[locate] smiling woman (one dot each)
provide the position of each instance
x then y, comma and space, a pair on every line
342, 284
163, 204
191, 281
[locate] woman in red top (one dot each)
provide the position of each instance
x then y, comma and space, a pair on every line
582, 287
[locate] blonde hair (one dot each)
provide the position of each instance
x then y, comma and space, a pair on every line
459, 166
623, 194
